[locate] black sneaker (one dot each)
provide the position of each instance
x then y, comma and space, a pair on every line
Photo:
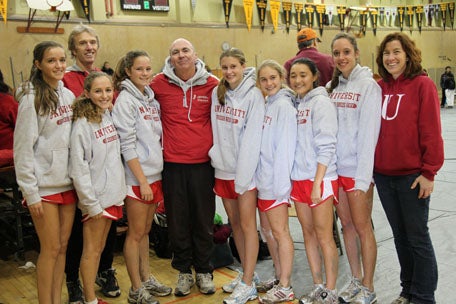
108, 283
75, 292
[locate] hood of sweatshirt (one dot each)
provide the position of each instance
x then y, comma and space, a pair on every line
148, 98
313, 93
284, 92
358, 73
247, 83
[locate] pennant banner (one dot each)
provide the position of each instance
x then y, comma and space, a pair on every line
374, 20
286, 7
400, 13
261, 6
451, 10
86, 8
227, 4
321, 9
341, 13
310, 9
275, 9
299, 9
248, 10
443, 11
330, 10
410, 14
4, 9
363, 21
419, 16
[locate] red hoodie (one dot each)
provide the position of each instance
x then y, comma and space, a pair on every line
8, 115
410, 139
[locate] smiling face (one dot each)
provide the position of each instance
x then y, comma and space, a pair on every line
270, 81
141, 72
101, 92
232, 71
85, 50
302, 79
394, 58
345, 56
53, 65
182, 56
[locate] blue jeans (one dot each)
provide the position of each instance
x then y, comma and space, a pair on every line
408, 218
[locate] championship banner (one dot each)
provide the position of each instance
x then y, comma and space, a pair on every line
261, 6
248, 11
274, 6
363, 21
341, 11
400, 13
443, 11
86, 8
286, 7
381, 15
310, 9
419, 12
451, 10
374, 20
410, 13
227, 4
299, 10
4, 9
330, 10
321, 9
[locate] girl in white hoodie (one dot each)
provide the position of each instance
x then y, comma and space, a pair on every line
273, 175
237, 120
136, 115
315, 178
97, 172
41, 156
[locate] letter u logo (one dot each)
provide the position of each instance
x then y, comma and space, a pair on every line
386, 103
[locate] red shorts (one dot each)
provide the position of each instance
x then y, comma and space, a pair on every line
134, 192
302, 190
265, 205
63, 198
113, 213
347, 183
225, 189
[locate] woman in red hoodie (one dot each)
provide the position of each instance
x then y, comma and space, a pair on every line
408, 155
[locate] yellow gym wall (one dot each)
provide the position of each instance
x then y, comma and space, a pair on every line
205, 27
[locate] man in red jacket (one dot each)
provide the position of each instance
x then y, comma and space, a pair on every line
184, 90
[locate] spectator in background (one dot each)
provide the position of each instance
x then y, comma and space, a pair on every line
107, 68
307, 43
443, 78
8, 115
449, 88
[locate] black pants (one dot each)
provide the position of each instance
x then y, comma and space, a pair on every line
190, 208
74, 250
443, 98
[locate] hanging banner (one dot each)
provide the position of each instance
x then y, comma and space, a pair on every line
400, 13
393, 16
451, 10
274, 6
261, 6
4, 10
443, 11
286, 7
410, 13
330, 11
363, 21
299, 10
431, 14
310, 9
381, 15
419, 12
388, 16
248, 11
321, 9
374, 20
426, 14
86, 8
341, 12
227, 4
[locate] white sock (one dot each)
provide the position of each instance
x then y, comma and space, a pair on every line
92, 302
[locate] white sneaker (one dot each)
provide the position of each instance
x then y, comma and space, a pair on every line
242, 293
313, 295
277, 294
229, 287
349, 292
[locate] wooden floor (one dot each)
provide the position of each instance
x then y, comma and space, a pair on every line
19, 285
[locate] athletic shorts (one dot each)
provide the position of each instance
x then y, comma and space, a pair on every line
302, 190
348, 183
113, 213
134, 192
266, 205
63, 198
225, 188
